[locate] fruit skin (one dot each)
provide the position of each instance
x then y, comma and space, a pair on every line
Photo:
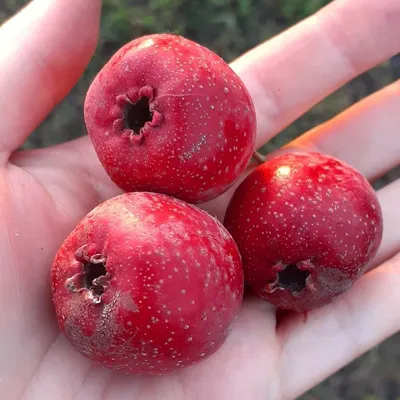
170, 291
203, 124
311, 212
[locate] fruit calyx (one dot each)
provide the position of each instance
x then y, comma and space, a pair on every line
292, 277
93, 279
138, 113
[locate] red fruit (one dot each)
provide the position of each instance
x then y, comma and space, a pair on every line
306, 225
168, 115
147, 284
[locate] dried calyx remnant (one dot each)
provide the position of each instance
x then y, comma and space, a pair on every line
94, 278
136, 115
93, 274
292, 278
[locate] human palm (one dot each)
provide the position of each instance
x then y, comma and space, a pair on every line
45, 192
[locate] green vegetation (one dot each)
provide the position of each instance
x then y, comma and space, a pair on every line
295, 10
229, 27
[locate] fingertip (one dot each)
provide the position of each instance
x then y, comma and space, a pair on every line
45, 49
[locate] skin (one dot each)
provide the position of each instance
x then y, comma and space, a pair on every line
147, 284
44, 194
307, 225
168, 115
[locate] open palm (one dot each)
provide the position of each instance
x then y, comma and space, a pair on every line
44, 193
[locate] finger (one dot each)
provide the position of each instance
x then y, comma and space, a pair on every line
336, 334
44, 50
365, 135
80, 167
53, 377
389, 199
289, 74
250, 347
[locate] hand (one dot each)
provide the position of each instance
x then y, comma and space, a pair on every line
44, 193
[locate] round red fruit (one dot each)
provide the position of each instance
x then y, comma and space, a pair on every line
307, 226
147, 284
168, 115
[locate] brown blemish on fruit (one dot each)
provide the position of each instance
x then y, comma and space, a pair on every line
106, 328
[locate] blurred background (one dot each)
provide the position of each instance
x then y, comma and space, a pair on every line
230, 27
